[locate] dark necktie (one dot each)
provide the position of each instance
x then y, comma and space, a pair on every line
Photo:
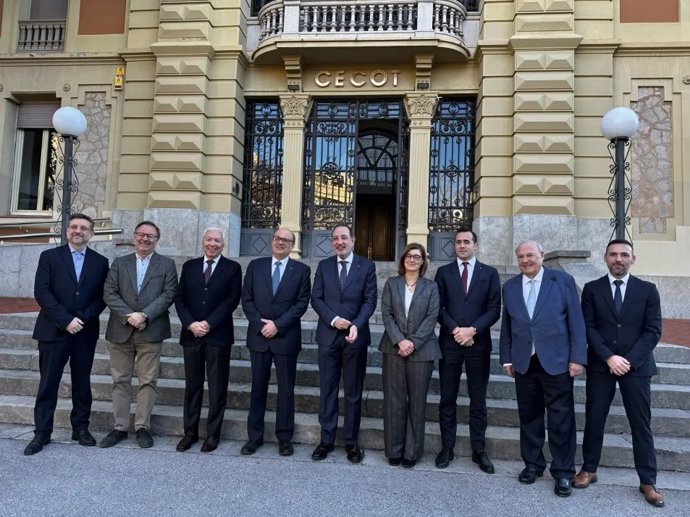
343, 273
276, 277
208, 271
618, 296
464, 277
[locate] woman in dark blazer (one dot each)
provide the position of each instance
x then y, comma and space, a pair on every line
409, 308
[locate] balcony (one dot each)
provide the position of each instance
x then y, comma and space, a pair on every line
361, 30
41, 36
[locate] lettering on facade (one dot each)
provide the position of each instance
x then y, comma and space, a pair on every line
357, 79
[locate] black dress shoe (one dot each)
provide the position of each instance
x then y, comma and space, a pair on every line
113, 438
354, 453
482, 459
144, 438
444, 458
321, 451
285, 448
210, 444
84, 437
250, 447
408, 464
394, 462
529, 475
186, 442
37, 444
562, 487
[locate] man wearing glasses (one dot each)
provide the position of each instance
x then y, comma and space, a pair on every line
275, 295
69, 289
470, 299
139, 289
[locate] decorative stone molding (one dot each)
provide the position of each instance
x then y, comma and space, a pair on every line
295, 107
421, 105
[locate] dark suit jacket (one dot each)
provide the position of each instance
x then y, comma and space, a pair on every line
418, 326
356, 302
155, 298
480, 308
62, 298
557, 328
634, 334
285, 308
213, 303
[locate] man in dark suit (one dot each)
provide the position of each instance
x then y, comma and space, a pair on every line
207, 295
543, 346
623, 319
275, 295
470, 298
69, 289
344, 297
139, 289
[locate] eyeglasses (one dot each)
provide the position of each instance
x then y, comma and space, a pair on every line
282, 240
413, 258
142, 235
75, 227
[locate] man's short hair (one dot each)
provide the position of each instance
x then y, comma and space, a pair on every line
467, 229
619, 241
82, 216
142, 223
342, 225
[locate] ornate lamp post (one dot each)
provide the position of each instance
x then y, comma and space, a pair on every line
70, 123
618, 125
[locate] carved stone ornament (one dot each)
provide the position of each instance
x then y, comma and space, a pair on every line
295, 106
422, 106
66, 87
686, 79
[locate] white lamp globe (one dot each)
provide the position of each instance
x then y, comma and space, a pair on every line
619, 123
69, 121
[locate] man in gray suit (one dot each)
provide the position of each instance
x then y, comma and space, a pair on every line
139, 289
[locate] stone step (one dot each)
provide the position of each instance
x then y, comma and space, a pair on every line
502, 442
502, 413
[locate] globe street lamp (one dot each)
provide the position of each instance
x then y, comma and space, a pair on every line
70, 123
618, 125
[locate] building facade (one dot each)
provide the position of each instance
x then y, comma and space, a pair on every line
404, 119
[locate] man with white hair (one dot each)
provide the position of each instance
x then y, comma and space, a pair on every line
208, 293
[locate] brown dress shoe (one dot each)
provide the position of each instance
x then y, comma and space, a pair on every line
584, 479
652, 495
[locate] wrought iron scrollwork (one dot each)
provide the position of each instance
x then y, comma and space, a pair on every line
622, 204
63, 184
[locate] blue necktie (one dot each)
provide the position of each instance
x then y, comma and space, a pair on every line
531, 298
276, 277
618, 296
78, 260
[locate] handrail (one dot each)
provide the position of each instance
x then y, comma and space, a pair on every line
44, 223
110, 231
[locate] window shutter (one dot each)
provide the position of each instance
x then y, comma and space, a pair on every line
36, 115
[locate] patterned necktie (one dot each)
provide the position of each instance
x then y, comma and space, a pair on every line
343, 273
276, 277
531, 298
463, 276
78, 260
618, 296
208, 271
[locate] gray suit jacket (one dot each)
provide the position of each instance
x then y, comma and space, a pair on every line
418, 326
156, 296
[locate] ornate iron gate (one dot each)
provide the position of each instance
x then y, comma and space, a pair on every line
331, 157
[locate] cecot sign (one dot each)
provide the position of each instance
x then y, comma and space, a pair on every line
340, 78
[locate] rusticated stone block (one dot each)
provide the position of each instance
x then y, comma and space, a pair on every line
551, 60
187, 65
544, 205
172, 199
181, 85
535, 143
179, 123
181, 104
545, 23
543, 164
544, 122
544, 81
177, 161
557, 101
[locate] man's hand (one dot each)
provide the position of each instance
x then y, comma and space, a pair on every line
464, 336
618, 365
269, 329
137, 320
342, 323
575, 369
508, 370
198, 328
405, 347
352, 335
75, 326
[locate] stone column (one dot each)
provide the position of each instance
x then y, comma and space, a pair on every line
420, 109
295, 108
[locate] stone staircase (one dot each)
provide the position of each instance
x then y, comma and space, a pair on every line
19, 379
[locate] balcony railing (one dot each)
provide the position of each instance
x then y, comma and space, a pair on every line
339, 17
41, 36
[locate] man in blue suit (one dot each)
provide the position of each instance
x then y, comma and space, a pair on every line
623, 318
275, 295
69, 289
543, 346
470, 298
207, 295
344, 297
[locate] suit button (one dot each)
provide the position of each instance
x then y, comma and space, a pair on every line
619, 325
203, 303
615, 342
76, 294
